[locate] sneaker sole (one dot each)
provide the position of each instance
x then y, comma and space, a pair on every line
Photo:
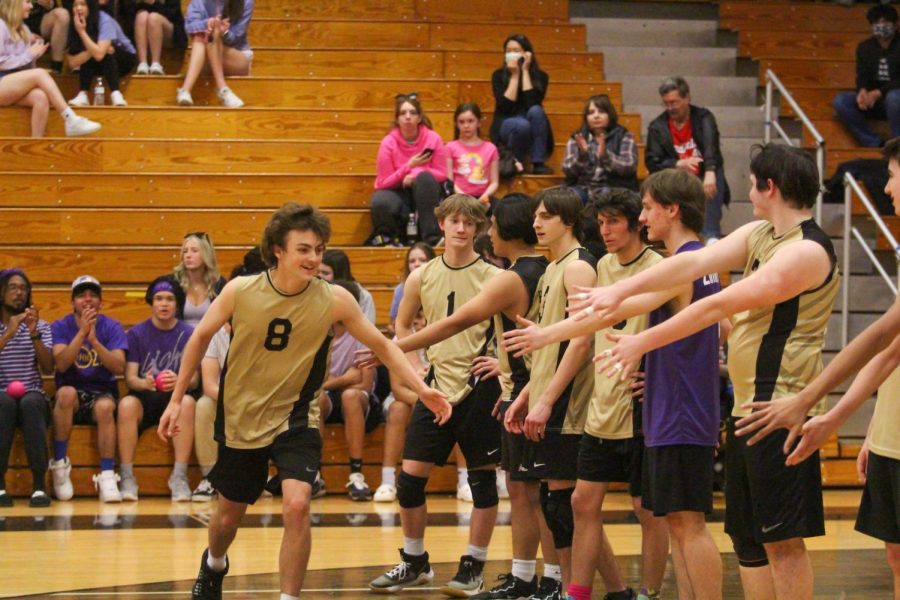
422, 579
129, 497
201, 498
377, 499
111, 500
82, 133
185, 103
458, 593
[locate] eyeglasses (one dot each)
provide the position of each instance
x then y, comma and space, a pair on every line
16, 287
198, 234
409, 96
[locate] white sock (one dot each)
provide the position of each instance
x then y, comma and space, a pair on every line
214, 563
389, 476
553, 572
462, 474
414, 546
288, 597
477, 552
523, 569
68, 113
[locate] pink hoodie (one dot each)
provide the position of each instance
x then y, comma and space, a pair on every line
394, 154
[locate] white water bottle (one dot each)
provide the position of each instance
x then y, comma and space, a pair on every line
99, 92
412, 228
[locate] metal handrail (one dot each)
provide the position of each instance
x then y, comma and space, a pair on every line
851, 187
772, 80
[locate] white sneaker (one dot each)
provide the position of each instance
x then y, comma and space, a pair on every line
180, 487
129, 488
157, 69
463, 492
77, 126
142, 69
81, 99
183, 97
502, 492
357, 488
107, 485
385, 493
62, 483
117, 99
229, 99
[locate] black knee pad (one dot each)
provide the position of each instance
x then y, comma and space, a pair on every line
411, 490
558, 514
542, 496
750, 554
483, 484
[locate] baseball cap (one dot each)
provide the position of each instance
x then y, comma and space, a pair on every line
85, 281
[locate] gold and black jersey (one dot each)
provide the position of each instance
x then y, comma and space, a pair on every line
570, 410
444, 288
514, 372
885, 437
610, 415
775, 351
276, 363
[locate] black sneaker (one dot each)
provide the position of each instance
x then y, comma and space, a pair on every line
5, 499
509, 587
410, 571
626, 594
39, 499
208, 585
468, 580
548, 589
318, 486
541, 169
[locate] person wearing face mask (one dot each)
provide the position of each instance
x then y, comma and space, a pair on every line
877, 80
520, 122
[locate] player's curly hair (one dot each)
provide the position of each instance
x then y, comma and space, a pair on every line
292, 217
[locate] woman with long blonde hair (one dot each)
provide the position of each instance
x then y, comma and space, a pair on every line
198, 274
21, 83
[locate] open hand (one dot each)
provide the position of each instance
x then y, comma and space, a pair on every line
436, 402
622, 359
485, 367
528, 338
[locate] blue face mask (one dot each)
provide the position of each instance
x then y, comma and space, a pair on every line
883, 30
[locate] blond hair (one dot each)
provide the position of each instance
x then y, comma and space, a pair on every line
11, 14
211, 275
465, 205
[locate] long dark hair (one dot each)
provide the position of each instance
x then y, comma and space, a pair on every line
413, 98
603, 104
533, 68
92, 22
466, 107
339, 263
233, 10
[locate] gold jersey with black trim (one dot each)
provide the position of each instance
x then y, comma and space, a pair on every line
570, 410
444, 288
610, 415
775, 351
277, 361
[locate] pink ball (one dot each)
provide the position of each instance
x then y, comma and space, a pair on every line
16, 389
160, 382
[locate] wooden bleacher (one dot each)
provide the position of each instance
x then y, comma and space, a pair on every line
318, 102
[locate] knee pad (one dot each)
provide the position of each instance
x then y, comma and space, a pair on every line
483, 484
558, 514
411, 490
750, 553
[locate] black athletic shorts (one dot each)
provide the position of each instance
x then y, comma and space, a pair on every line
154, 404
240, 474
516, 455
84, 412
471, 425
677, 478
765, 500
372, 412
556, 456
879, 509
603, 460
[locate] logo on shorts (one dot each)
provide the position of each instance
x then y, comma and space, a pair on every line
536, 465
494, 451
772, 528
308, 470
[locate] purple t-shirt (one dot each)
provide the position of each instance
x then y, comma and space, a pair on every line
87, 373
156, 350
109, 29
681, 401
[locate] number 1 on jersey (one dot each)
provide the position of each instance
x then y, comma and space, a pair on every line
451, 299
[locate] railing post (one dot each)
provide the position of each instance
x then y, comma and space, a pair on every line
768, 129
820, 163
845, 281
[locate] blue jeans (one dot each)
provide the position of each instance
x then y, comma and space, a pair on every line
527, 135
856, 120
713, 216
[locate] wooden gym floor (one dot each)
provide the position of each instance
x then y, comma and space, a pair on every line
151, 549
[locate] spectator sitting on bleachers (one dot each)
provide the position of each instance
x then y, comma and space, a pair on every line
520, 122
686, 137
100, 48
89, 351
211, 366
155, 347
198, 275
218, 32
22, 84
412, 163
51, 22
474, 163
158, 23
877, 80
25, 350
417, 255
335, 267
348, 398
601, 154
